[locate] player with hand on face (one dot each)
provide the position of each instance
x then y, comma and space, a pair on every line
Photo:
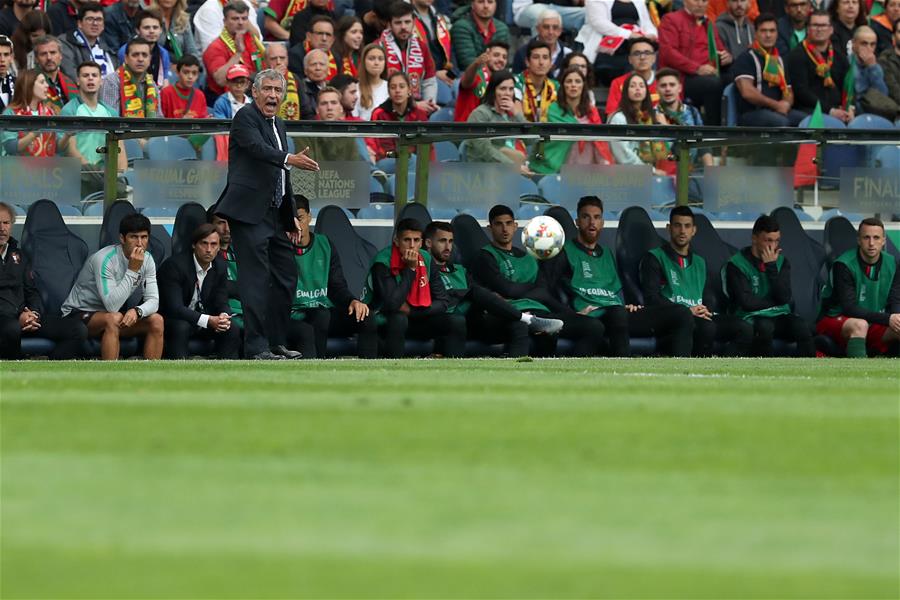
490, 318
673, 274
116, 294
405, 287
758, 284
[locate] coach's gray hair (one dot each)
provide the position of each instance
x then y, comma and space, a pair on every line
12, 211
268, 75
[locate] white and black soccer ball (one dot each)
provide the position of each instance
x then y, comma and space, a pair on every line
543, 237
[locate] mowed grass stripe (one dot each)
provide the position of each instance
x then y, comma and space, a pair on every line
577, 478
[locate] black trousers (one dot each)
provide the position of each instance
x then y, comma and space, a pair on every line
672, 326
736, 333
790, 328
310, 335
447, 330
493, 320
706, 91
69, 335
267, 280
178, 333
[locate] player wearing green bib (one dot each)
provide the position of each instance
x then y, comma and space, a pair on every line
489, 317
586, 271
226, 252
757, 281
406, 289
861, 301
674, 274
323, 302
514, 274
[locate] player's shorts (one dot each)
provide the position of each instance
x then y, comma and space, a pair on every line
831, 326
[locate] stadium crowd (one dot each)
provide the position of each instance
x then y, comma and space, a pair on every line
415, 289
655, 61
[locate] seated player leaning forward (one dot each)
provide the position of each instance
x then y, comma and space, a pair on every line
115, 293
323, 302
405, 287
674, 274
193, 288
586, 272
861, 302
757, 281
489, 317
515, 276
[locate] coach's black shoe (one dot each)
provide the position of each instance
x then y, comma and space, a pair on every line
285, 352
540, 325
267, 356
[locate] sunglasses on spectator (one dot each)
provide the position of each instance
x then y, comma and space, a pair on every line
5, 41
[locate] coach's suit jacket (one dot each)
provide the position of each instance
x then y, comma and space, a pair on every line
176, 279
253, 164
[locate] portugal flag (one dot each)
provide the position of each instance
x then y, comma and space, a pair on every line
805, 169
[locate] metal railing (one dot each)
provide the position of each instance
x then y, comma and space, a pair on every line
421, 135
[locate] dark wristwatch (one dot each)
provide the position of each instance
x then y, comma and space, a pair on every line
140, 313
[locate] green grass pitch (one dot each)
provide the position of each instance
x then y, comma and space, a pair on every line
471, 478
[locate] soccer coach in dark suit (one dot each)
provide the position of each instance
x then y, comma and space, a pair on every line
259, 205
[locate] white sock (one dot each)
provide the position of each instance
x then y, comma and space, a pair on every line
526, 318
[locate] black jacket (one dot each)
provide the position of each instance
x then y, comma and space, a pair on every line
808, 87
390, 294
177, 278
739, 290
17, 289
844, 292
254, 161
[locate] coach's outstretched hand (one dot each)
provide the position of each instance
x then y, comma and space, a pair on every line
302, 161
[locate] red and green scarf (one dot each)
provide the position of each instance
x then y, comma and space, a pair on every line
711, 46
848, 92
293, 8
773, 69
61, 92
649, 151
420, 292
823, 63
442, 31
132, 104
250, 41
290, 106
536, 105
350, 64
332, 63
411, 61
44, 144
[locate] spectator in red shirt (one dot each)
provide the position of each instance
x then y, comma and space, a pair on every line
683, 44
236, 44
182, 100
399, 106
477, 76
641, 56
